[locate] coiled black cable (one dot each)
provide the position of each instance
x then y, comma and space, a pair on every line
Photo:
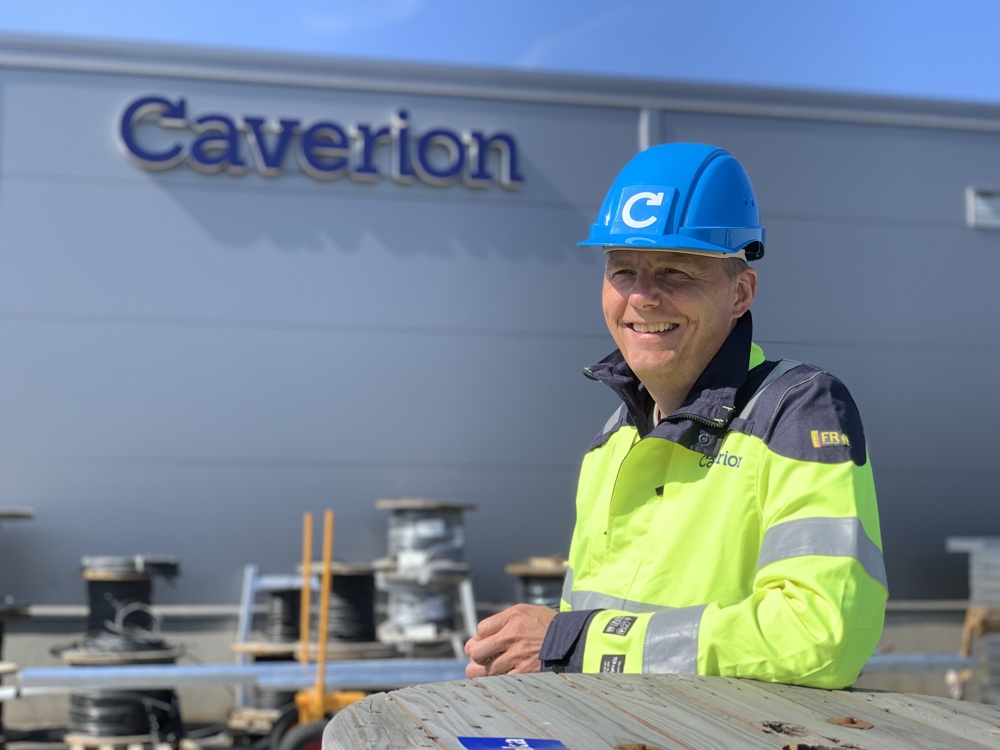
119, 713
133, 630
352, 608
283, 611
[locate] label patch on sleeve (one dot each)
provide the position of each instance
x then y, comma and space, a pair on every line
822, 439
613, 663
619, 625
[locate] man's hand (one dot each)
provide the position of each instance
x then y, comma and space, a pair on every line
509, 641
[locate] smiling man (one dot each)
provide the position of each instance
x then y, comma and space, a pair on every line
726, 515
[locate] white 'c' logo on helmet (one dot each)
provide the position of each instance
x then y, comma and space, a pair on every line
652, 199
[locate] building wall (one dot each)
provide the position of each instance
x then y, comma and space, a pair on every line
192, 360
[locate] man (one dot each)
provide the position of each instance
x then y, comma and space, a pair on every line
726, 517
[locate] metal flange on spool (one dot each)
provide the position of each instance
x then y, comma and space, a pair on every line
425, 570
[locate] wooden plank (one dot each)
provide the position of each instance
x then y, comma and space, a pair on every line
675, 720
580, 719
821, 705
448, 710
971, 724
719, 702
981, 711
789, 720
377, 723
666, 712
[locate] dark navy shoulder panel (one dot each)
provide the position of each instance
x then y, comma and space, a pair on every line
807, 414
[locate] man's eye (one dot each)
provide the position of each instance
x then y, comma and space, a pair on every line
622, 274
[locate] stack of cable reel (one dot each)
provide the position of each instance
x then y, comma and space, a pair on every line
281, 632
425, 575
123, 629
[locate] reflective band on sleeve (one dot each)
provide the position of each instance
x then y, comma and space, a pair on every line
671, 644
594, 600
835, 537
567, 590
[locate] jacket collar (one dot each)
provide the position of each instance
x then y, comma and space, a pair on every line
701, 423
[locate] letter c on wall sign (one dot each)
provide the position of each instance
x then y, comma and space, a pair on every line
652, 199
168, 114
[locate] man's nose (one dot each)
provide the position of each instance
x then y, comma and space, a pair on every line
645, 292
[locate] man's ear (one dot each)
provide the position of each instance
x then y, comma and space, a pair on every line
746, 290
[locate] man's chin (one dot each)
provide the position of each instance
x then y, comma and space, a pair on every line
652, 368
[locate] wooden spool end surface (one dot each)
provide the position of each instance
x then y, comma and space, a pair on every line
82, 657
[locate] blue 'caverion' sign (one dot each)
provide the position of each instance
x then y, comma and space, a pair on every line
326, 150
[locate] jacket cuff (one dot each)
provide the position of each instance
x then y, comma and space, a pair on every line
562, 649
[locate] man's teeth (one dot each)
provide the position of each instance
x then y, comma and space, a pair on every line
653, 327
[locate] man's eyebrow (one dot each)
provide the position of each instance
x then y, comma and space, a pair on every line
679, 261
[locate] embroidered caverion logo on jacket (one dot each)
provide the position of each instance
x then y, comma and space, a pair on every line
723, 459
821, 439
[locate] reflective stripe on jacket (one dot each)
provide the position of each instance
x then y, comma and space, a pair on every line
724, 543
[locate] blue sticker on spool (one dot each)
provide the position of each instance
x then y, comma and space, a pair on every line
510, 743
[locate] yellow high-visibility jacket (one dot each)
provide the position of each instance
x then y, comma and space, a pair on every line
738, 537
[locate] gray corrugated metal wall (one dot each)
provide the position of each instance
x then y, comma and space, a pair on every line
191, 361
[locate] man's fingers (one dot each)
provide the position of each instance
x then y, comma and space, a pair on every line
492, 624
474, 670
482, 652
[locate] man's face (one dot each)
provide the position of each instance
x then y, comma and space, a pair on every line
670, 312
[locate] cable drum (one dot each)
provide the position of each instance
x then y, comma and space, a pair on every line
426, 532
425, 566
351, 613
421, 611
352, 606
284, 608
117, 713
122, 628
107, 713
539, 580
544, 592
133, 637
106, 598
115, 582
127, 645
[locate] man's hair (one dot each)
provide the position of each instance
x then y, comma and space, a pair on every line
734, 267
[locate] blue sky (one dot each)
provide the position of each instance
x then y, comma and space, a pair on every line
914, 48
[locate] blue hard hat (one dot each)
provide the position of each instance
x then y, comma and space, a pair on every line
681, 196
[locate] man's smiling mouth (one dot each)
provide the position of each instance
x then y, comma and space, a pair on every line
652, 327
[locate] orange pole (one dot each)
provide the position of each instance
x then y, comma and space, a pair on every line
307, 536
324, 607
